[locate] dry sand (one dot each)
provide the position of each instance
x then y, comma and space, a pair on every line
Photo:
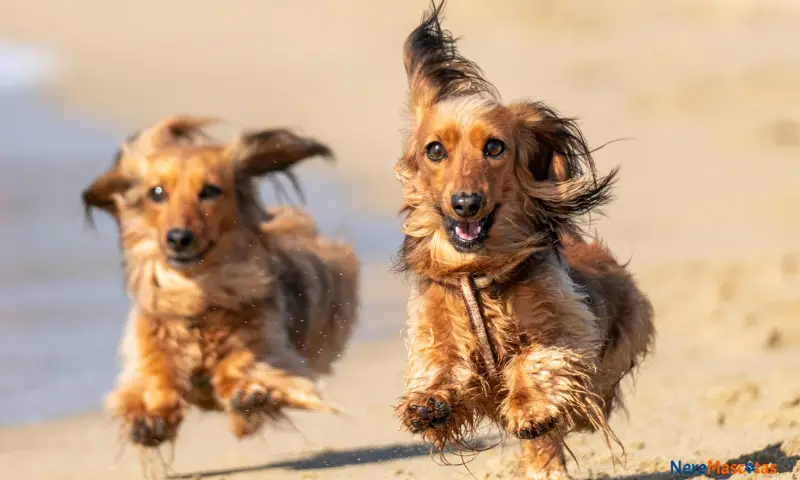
707, 209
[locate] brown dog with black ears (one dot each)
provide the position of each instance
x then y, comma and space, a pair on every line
514, 316
236, 307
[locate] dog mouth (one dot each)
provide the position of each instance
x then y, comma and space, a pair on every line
182, 260
469, 235
468, 231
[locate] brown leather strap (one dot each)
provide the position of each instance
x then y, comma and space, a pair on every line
474, 311
480, 281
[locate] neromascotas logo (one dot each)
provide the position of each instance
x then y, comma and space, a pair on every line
716, 467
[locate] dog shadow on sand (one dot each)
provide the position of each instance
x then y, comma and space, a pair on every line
324, 460
342, 458
786, 459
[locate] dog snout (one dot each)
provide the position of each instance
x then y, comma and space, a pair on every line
179, 239
466, 204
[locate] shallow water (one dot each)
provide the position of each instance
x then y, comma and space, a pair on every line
62, 303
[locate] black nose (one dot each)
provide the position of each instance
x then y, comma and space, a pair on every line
466, 204
179, 238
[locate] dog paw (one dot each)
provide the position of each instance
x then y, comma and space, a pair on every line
252, 397
152, 430
149, 417
420, 411
528, 430
266, 389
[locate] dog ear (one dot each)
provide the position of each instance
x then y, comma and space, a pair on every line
100, 194
558, 165
553, 147
269, 151
435, 70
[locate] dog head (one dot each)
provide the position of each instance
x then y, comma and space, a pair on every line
485, 184
185, 202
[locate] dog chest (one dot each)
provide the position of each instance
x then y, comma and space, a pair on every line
199, 344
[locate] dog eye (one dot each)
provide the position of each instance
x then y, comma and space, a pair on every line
157, 194
210, 192
436, 151
494, 148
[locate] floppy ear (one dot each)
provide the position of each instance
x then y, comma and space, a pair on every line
270, 151
436, 72
560, 171
552, 146
100, 194
435, 69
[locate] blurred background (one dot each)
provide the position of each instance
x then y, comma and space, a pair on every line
708, 207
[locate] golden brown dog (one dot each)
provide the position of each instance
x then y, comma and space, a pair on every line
493, 196
235, 307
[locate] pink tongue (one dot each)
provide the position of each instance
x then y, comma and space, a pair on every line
468, 230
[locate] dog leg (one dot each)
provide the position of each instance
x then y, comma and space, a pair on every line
148, 403
439, 373
247, 401
147, 398
253, 391
543, 458
549, 386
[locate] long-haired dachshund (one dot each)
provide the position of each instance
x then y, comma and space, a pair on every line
514, 316
236, 307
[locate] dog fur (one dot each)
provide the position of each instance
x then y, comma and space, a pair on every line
565, 320
261, 306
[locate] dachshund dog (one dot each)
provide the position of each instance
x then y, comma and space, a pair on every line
236, 308
514, 316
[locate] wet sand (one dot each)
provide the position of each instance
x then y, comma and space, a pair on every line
707, 206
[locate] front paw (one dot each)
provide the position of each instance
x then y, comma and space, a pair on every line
421, 411
152, 430
252, 397
269, 393
150, 418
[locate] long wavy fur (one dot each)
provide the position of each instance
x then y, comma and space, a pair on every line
435, 69
556, 176
566, 320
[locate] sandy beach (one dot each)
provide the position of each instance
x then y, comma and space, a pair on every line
708, 94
